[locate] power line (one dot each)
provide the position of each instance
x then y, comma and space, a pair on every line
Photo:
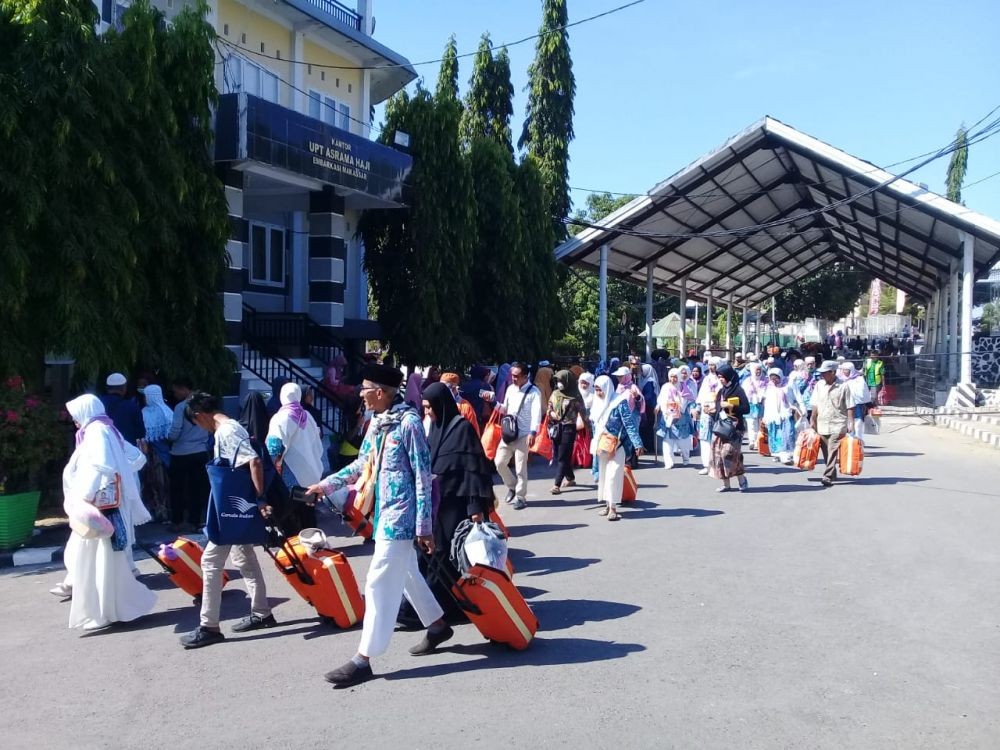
747, 194
493, 48
987, 132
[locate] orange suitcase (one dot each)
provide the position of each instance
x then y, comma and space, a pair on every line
630, 488
324, 579
807, 450
852, 456
181, 561
762, 445
496, 607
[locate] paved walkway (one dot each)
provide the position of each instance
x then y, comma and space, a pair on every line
862, 616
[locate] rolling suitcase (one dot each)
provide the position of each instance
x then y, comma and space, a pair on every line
323, 578
852, 456
630, 488
493, 604
807, 450
763, 447
181, 561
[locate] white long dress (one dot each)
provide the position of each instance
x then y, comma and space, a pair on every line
104, 588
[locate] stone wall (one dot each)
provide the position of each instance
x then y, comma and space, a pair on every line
986, 361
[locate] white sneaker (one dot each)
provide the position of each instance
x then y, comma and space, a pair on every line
520, 503
62, 591
703, 472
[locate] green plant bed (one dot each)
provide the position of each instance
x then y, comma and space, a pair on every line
17, 518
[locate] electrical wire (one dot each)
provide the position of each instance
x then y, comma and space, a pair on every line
493, 48
992, 129
726, 194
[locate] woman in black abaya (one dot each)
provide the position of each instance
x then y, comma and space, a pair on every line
465, 477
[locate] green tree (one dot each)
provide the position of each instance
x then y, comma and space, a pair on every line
548, 125
579, 296
447, 83
116, 241
957, 166
829, 294
499, 264
419, 259
489, 100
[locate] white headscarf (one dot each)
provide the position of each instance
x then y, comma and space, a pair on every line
649, 376
156, 415
100, 453
600, 410
588, 394
299, 435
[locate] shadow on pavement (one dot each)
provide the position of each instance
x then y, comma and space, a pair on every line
876, 481
542, 652
541, 528
880, 453
526, 562
757, 489
529, 592
560, 502
557, 614
654, 510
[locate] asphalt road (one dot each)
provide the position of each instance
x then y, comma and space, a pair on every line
862, 616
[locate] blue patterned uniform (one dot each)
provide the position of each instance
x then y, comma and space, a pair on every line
403, 488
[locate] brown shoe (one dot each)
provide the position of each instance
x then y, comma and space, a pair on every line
555, 491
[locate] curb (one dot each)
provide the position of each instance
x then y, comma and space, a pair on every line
52, 555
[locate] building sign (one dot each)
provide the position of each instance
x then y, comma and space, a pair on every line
874, 297
248, 128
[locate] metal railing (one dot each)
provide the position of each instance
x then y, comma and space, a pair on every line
341, 13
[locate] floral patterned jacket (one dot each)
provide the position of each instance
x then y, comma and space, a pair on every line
403, 501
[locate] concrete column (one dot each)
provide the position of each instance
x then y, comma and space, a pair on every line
682, 334
649, 312
729, 327
953, 350
696, 325
298, 94
967, 280
327, 258
602, 325
774, 320
708, 318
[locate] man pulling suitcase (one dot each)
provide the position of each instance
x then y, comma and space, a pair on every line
401, 475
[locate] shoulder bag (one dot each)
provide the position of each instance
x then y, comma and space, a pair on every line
724, 429
509, 431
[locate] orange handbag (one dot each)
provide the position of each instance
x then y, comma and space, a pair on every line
492, 434
364, 502
607, 444
630, 489
852, 456
543, 443
807, 450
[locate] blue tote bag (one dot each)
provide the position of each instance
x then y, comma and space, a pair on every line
233, 516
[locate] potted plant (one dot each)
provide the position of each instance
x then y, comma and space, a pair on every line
30, 437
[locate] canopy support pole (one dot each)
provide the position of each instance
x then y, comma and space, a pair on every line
756, 329
649, 313
967, 279
708, 318
602, 325
953, 350
743, 331
682, 334
729, 327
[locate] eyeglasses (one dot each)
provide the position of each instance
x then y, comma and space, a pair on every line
366, 388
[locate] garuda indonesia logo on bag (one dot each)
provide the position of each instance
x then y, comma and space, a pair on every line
242, 506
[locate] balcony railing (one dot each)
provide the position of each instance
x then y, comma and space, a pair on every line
342, 13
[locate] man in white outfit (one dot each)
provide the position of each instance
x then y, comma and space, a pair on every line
523, 401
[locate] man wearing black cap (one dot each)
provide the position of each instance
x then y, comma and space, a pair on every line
396, 444
830, 417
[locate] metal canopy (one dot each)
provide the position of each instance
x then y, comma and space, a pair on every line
900, 232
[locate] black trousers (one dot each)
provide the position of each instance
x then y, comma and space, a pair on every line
562, 449
188, 488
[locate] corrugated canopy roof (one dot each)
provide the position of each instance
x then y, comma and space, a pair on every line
822, 205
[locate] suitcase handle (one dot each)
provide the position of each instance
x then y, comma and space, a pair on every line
151, 551
435, 564
296, 566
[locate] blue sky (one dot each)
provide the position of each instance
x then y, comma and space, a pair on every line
664, 82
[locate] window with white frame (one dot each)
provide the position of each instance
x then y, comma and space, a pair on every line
267, 254
242, 75
329, 110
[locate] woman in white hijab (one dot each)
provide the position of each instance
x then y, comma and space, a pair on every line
103, 586
859, 397
586, 386
293, 440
